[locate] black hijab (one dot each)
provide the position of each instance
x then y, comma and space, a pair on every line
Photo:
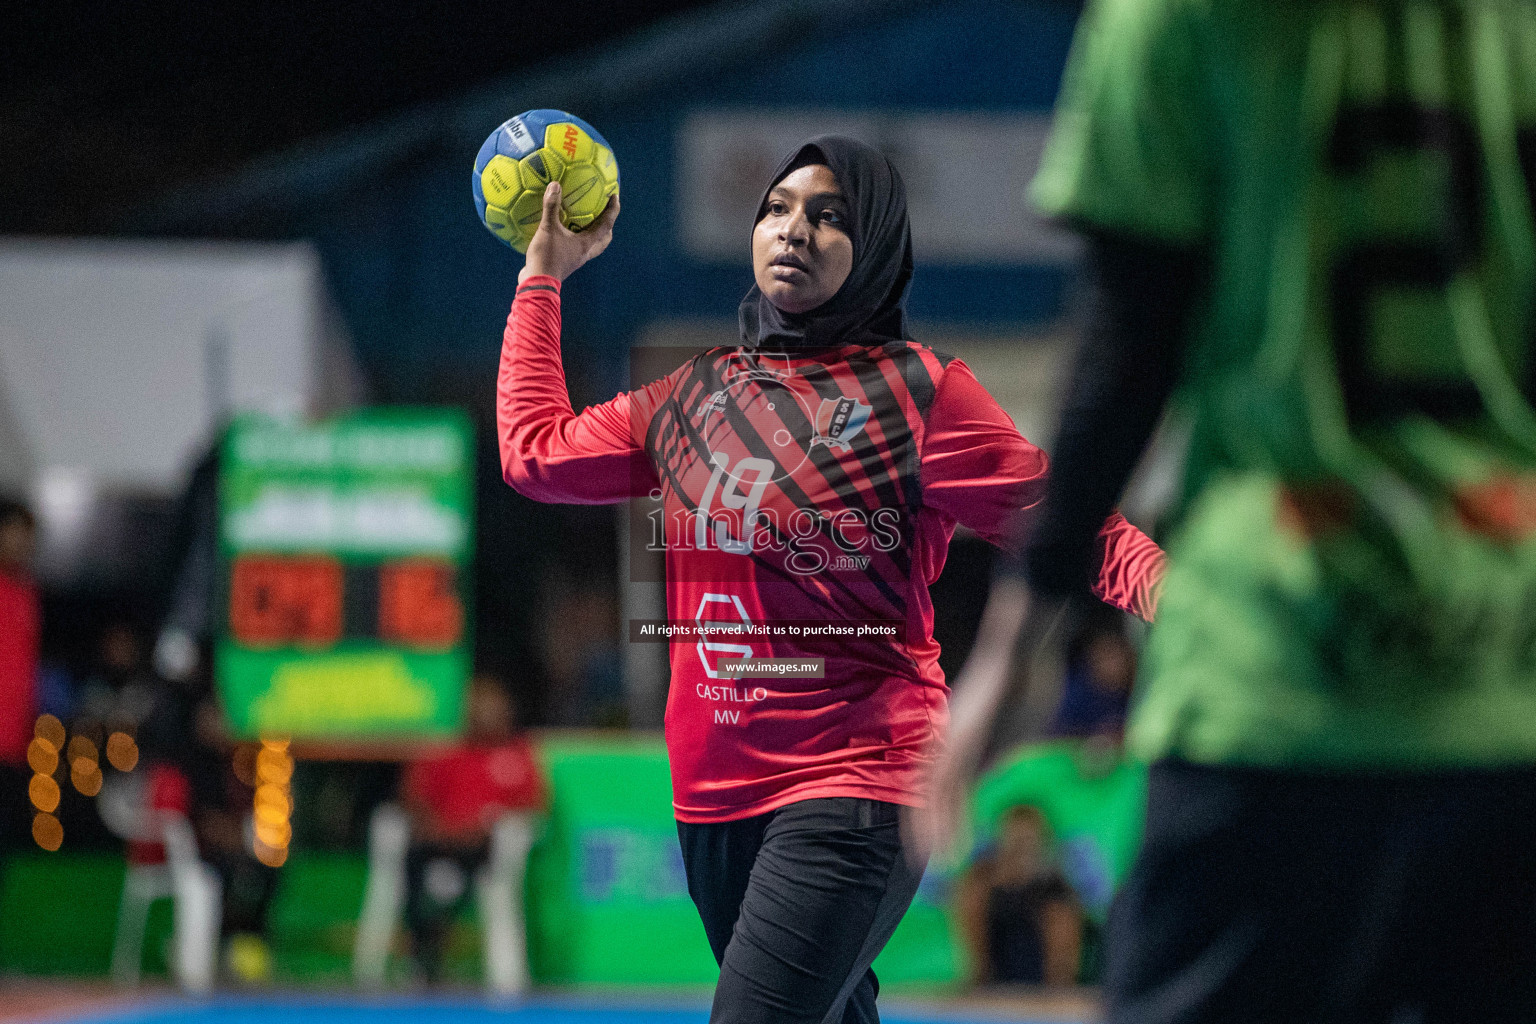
870, 307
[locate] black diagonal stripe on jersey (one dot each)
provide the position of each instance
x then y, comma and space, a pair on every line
878, 470
893, 418
670, 478
702, 377
665, 451
709, 375
893, 421
754, 442
879, 478
920, 382
674, 403
693, 440
842, 483
698, 443
831, 469
789, 543
877, 464
673, 406
898, 608
923, 389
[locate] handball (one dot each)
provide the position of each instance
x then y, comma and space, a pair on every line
523, 156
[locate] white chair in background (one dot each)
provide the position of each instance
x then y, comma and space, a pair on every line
499, 892
198, 893
389, 833
192, 886
143, 884
499, 887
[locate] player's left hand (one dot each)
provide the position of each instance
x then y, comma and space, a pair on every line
558, 251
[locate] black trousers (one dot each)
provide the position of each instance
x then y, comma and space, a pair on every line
249, 887
796, 904
1266, 896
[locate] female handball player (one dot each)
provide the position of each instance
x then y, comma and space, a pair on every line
811, 478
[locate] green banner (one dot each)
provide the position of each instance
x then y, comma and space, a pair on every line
607, 899
607, 896
345, 550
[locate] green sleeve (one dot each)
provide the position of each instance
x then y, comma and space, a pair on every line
1131, 147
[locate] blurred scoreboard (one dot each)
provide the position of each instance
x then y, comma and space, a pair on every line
345, 555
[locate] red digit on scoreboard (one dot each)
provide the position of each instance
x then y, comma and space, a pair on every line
418, 605
275, 601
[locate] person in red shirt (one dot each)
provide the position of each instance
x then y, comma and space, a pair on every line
453, 798
165, 789
20, 630
810, 481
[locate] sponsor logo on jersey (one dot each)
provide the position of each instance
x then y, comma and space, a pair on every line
721, 611
839, 421
738, 382
714, 403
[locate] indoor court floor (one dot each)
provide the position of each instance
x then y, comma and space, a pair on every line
101, 1008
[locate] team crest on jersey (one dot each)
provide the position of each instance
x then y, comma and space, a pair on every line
839, 421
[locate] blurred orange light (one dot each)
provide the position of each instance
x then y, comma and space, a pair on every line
274, 766
86, 776
44, 792
47, 832
270, 856
81, 746
271, 814
274, 835
122, 752
277, 743
50, 729
43, 756
269, 795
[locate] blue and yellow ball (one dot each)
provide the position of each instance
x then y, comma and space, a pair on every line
523, 156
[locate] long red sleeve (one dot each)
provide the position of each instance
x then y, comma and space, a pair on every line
979, 470
548, 451
976, 466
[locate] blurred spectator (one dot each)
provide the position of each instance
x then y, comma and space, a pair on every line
453, 798
163, 787
1096, 694
1019, 920
121, 694
197, 771
20, 626
119, 691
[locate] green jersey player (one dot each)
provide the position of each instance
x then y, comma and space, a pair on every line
1310, 228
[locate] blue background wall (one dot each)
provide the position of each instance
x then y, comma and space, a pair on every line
424, 288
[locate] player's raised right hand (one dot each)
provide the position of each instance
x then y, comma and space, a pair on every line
556, 250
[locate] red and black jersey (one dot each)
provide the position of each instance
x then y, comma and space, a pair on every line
808, 499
